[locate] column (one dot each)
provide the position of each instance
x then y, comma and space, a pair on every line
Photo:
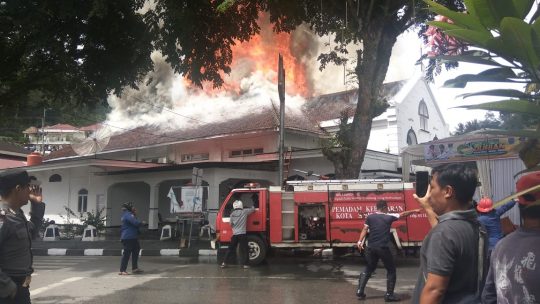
153, 209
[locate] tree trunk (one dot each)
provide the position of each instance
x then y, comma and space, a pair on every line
372, 65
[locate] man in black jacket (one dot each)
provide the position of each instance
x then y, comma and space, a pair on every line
16, 234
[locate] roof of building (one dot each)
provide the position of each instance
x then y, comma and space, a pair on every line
330, 106
317, 109
93, 127
145, 136
11, 148
62, 127
11, 163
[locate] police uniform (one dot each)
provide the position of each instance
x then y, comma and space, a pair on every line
16, 234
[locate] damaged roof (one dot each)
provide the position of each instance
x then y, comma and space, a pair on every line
320, 108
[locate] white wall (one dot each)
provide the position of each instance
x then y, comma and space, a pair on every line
384, 133
407, 116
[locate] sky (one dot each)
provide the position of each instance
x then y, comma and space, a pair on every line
402, 66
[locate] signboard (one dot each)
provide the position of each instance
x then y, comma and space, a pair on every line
359, 204
190, 200
471, 150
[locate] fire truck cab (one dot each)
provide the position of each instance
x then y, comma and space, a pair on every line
319, 214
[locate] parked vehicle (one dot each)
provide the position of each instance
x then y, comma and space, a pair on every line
319, 214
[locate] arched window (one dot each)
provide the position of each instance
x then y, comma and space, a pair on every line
82, 201
55, 178
424, 115
411, 138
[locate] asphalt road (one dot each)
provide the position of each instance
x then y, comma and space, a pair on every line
182, 280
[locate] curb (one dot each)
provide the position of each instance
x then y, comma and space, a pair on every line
118, 252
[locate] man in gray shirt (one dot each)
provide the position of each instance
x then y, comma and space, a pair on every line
16, 233
449, 258
238, 223
514, 273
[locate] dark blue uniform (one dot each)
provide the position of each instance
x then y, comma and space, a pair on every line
16, 234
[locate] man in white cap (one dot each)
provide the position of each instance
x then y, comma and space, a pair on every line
238, 223
16, 234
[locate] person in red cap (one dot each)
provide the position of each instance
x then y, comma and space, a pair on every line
514, 272
491, 219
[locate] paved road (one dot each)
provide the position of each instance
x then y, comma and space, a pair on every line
181, 280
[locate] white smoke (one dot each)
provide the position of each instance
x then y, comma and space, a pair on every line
163, 99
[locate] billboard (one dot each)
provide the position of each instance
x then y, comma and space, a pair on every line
471, 150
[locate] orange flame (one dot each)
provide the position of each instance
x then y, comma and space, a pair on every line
263, 54
260, 54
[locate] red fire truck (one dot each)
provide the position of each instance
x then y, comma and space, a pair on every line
319, 214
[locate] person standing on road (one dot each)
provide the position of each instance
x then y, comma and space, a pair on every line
453, 254
16, 234
130, 239
491, 219
514, 274
379, 224
238, 223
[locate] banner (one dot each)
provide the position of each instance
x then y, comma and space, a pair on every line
192, 199
175, 205
470, 150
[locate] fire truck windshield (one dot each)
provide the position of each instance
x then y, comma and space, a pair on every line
249, 199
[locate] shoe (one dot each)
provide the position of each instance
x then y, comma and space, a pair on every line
136, 271
246, 267
123, 273
362, 282
223, 265
391, 298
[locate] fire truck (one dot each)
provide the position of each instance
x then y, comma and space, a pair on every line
319, 214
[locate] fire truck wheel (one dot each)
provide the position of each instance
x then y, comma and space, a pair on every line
257, 249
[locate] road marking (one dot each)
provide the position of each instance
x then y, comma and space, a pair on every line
92, 252
42, 289
56, 251
171, 252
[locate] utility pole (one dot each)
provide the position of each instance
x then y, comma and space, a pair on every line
43, 131
281, 90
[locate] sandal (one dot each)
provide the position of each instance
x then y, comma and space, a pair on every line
123, 273
135, 271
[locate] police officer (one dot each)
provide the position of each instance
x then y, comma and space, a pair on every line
16, 234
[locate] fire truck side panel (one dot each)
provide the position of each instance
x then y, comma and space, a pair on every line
351, 208
275, 217
311, 197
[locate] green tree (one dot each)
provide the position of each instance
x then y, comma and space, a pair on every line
489, 122
371, 25
510, 45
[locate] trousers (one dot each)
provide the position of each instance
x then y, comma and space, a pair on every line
131, 248
239, 240
23, 293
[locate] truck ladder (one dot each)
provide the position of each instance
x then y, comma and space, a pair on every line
287, 156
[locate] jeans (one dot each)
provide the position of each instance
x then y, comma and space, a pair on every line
131, 248
22, 296
239, 239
